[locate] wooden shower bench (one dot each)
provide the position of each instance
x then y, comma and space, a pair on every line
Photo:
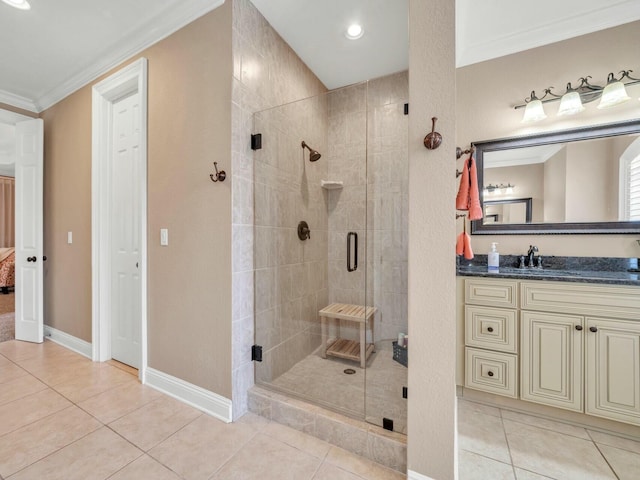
340, 347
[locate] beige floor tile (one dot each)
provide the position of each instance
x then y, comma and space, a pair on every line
465, 408
9, 371
626, 464
555, 454
119, 401
154, 422
92, 383
35, 441
615, 441
308, 444
329, 472
145, 467
19, 387
263, 457
526, 475
54, 372
94, 457
29, 409
256, 421
476, 467
361, 466
17, 351
483, 434
202, 447
546, 424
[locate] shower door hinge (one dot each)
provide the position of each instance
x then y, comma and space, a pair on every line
256, 141
256, 353
406, 109
405, 392
387, 424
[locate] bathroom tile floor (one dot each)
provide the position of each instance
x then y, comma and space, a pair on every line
65, 417
495, 443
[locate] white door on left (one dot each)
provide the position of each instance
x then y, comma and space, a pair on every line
126, 206
29, 235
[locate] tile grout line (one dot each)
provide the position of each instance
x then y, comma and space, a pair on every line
256, 433
506, 439
603, 455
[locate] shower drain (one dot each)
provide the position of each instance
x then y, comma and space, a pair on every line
349, 371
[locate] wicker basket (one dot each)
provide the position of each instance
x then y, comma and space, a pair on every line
400, 354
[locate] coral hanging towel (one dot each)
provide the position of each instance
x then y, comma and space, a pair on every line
468, 197
463, 246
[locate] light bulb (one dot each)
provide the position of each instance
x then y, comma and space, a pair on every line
354, 31
613, 94
534, 111
571, 103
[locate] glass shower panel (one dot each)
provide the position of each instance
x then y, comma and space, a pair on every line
330, 249
387, 227
310, 200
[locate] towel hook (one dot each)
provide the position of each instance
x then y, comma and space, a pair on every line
459, 215
433, 139
220, 175
460, 152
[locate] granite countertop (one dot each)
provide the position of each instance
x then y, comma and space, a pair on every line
612, 271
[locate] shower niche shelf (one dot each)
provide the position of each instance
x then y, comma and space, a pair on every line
331, 184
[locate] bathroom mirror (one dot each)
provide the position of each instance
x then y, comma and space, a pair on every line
585, 180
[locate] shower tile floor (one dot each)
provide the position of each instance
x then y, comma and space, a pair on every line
373, 393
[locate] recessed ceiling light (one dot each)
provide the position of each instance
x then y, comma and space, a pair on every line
21, 4
354, 31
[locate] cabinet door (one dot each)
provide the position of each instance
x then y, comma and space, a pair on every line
613, 369
551, 359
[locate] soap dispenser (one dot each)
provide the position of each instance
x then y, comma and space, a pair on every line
493, 264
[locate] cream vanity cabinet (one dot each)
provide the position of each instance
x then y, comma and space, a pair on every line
579, 344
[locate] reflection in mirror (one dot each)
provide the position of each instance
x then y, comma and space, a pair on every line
577, 181
516, 210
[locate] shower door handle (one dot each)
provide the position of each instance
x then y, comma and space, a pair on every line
355, 252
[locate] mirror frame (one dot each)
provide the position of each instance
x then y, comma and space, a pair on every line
583, 133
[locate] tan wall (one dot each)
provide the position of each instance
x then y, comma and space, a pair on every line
487, 92
432, 286
190, 280
555, 177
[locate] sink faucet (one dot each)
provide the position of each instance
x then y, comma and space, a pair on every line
531, 253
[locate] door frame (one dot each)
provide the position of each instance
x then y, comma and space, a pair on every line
129, 80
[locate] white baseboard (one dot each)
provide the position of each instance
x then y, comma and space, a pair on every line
209, 402
68, 341
416, 476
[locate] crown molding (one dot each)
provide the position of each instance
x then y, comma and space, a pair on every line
552, 31
17, 101
157, 28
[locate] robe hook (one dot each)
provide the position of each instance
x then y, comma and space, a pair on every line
219, 175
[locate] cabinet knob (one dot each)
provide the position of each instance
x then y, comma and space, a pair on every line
578, 327
490, 329
593, 329
490, 373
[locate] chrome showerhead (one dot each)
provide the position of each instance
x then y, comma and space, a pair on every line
314, 155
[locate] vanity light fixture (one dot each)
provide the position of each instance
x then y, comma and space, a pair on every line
354, 32
499, 189
20, 4
571, 102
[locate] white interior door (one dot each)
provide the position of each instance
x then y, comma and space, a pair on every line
29, 242
126, 232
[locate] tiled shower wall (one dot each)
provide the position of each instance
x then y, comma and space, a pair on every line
266, 73
368, 150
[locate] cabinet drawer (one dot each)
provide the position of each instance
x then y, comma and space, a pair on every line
600, 300
492, 328
492, 293
491, 372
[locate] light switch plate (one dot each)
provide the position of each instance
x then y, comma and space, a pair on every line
69, 238
164, 237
